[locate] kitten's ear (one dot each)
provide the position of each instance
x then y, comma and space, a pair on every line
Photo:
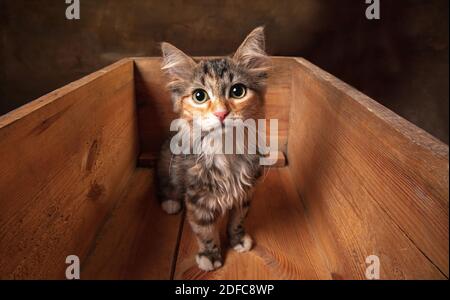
176, 63
251, 53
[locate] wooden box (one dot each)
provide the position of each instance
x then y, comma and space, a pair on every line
76, 178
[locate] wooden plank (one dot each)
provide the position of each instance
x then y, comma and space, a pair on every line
64, 158
139, 240
372, 183
155, 107
284, 247
278, 97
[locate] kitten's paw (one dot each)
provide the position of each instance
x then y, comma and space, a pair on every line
171, 206
208, 262
244, 245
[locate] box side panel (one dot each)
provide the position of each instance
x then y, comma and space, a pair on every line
64, 160
372, 183
154, 106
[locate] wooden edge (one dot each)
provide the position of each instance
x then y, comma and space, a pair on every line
148, 160
137, 58
405, 128
57, 94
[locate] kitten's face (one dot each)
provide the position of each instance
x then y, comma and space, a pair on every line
219, 91
214, 91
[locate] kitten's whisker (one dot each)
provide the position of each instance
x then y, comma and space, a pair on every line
170, 164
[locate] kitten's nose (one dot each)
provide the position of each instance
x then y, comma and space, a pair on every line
221, 115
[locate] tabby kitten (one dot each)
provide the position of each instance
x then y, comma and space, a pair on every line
211, 184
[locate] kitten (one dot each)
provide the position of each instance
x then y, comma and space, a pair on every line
211, 184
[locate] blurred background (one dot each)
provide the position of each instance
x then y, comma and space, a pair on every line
401, 60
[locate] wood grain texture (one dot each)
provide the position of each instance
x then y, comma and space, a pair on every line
155, 107
359, 181
155, 111
284, 246
139, 240
372, 183
64, 159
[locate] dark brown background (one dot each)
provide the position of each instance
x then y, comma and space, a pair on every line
400, 60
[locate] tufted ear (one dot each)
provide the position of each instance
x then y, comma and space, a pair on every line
251, 53
176, 63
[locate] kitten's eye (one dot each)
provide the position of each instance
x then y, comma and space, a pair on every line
200, 96
238, 91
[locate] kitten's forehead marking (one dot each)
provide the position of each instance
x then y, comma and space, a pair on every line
216, 74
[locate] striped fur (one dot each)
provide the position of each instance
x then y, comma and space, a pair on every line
210, 185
